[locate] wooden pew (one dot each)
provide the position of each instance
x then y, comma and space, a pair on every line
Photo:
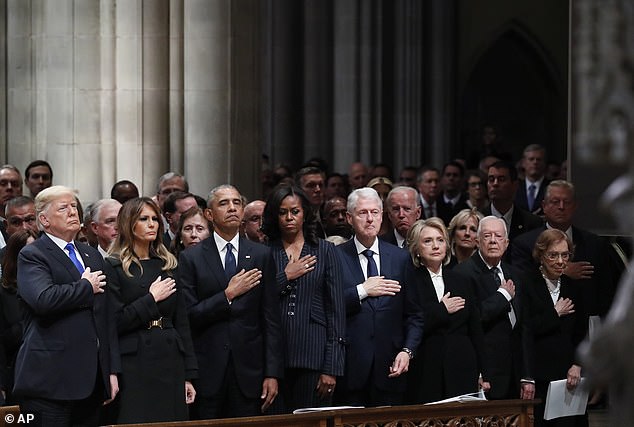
9, 415
497, 413
515, 413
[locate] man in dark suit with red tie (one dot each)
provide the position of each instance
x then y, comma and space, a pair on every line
67, 364
229, 286
384, 319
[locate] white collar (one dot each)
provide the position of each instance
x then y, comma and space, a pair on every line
360, 248
222, 243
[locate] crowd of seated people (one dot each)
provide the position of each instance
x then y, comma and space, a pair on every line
357, 288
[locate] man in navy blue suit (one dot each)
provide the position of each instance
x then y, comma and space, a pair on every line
230, 289
67, 364
384, 320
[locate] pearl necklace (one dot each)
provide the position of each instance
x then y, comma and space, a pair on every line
553, 285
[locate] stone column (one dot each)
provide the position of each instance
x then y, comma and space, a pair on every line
318, 77
53, 80
206, 71
357, 82
440, 83
408, 93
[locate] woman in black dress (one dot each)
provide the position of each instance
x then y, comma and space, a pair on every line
311, 300
449, 360
558, 319
10, 314
157, 356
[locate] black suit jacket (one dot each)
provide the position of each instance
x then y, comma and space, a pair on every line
446, 211
555, 338
507, 349
521, 222
378, 327
248, 330
68, 331
599, 290
315, 332
451, 355
521, 197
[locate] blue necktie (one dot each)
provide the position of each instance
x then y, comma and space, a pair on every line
71, 253
531, 196
372, 270
230, 261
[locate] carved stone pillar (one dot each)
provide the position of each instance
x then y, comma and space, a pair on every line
408, 95
357, 82
602, 141
440, 83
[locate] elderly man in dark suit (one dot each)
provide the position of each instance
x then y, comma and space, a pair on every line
230, 289
67, 364
500, 297
502, 184
385, 323
590, 266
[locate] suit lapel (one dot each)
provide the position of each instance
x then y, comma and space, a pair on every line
245, 257
85, 256
212, 257
57, 253
386, 268
352, 260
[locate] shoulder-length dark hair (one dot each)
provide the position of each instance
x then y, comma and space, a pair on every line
123, 246
10, 262
176, 246
270, 221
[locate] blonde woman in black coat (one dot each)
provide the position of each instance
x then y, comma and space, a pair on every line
157, 355
449, 360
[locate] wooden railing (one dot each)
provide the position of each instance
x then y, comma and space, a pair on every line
496, 413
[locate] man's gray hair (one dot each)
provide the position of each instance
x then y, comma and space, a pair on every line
95, 209
212, 193
403, 189
363, 193
170, 175
493, 218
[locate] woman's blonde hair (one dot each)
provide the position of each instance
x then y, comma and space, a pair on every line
459, 219
123, 246
413, 238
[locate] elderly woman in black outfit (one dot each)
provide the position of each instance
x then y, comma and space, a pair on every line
311, 300
449, 360
558, 319
10, 313
154, 340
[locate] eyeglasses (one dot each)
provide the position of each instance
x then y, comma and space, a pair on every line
554, 256
487, 237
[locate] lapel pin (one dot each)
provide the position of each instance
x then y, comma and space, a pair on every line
247, 256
